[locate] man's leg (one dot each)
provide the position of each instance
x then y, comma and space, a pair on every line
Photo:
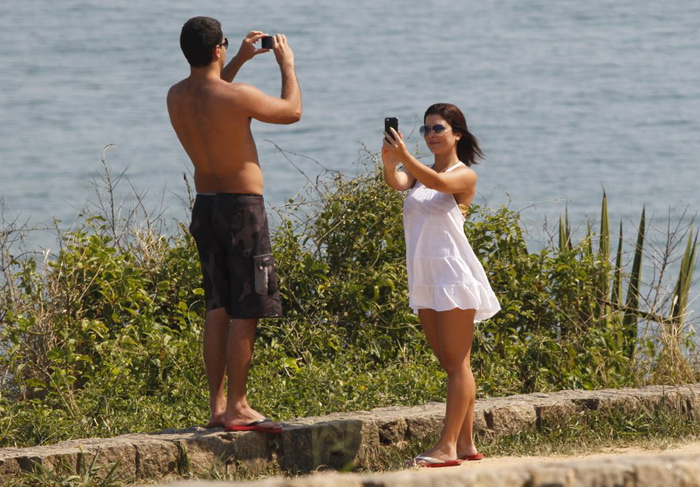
241, 339
216, 330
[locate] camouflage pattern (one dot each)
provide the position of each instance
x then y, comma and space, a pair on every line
233, 241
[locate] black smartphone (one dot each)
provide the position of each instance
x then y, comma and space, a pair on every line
389, 123
266, 42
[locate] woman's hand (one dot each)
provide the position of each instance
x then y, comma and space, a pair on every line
388, 159
393, 149
394, 153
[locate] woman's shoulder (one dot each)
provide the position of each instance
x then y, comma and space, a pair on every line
463, 168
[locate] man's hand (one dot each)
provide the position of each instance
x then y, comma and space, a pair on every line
283, 53
248, 51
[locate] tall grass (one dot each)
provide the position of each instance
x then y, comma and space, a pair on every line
103, 336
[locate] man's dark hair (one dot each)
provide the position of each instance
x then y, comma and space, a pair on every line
199, 37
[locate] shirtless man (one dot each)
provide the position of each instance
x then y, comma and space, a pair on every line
211, 116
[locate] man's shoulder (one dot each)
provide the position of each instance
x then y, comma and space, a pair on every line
240, 94
225, 94
176, 88
242, 88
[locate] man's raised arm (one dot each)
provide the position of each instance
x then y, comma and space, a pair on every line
245, 53
291, 93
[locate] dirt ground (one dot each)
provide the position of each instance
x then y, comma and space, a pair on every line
689, 448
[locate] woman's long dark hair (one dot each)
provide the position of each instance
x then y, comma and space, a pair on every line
468, 149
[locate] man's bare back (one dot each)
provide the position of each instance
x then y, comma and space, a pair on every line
211, 117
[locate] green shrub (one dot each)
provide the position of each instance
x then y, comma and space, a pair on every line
103, 337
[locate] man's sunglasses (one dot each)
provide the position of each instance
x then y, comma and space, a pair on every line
438, 128
225, 43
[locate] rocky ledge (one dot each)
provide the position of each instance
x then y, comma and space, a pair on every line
337, 440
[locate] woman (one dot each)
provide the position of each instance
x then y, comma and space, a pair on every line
447, 285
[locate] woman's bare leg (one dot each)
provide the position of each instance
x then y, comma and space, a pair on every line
450, 335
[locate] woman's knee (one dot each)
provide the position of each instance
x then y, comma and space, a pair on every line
454, 367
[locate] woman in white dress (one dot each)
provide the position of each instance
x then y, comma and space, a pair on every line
447, 285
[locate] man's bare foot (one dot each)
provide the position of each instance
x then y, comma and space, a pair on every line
216, 421
217, 408
251, 420
263, 425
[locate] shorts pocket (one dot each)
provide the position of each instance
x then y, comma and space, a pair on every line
264, 268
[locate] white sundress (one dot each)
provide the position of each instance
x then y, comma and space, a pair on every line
443, 271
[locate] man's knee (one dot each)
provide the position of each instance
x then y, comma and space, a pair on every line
218, 316
244, 321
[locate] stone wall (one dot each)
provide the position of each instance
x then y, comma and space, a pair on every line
342, 439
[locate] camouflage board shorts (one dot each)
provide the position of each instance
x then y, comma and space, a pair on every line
238, 268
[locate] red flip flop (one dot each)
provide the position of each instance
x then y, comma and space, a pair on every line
255, 426
430, 462
471, 458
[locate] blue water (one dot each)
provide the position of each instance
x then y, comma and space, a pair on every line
566, 98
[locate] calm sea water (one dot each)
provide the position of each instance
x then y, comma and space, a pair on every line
567, 98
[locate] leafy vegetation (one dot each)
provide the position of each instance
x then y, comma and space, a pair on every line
103, 336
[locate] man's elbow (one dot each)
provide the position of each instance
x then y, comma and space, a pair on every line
295, 116
289, 117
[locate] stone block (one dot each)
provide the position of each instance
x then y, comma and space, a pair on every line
654, 398
551, 476
687, 473
118, 454
592, 474
53, 460
393, 431
693, 402
480, 426
448, 477
419, 427
607, 400
689, 402
155, 459
513, 477
654, 473
75, 458
334, 444
204, 452
509, 419
9, 467
554, 412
